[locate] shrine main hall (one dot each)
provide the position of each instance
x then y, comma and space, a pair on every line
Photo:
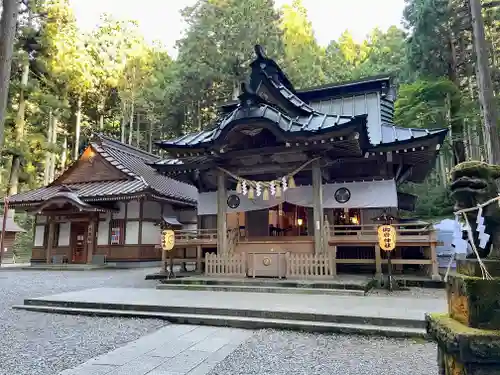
291, 182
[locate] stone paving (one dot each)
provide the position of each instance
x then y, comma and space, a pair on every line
369, 306
172, 350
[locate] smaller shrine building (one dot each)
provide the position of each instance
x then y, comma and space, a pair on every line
106, 208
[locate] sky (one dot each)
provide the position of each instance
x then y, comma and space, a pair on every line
160, 19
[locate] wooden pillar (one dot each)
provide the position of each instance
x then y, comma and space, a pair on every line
378, 263
91, 239
50, 239
163, 260
199, 254
221, 213
435, 265
317, 191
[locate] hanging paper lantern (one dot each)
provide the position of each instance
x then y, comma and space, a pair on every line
272, 188
278, 191
265, 194
238, 187
251, 193
258, 189
291, 182
284, 183
244, 189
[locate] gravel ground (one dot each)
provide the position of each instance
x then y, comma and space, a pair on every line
45, 344
272, 352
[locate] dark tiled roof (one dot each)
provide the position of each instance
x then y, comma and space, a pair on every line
313, 123
131, 161
391, 133
288, 94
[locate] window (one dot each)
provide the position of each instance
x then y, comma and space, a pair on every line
117, 233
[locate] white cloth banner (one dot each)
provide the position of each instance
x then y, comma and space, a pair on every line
373, 194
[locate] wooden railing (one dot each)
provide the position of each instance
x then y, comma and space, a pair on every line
310, 265
195, 236
416, 231
227, 265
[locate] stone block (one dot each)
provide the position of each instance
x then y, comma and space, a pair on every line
474, 301
463, 350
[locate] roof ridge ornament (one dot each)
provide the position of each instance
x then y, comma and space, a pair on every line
247, 97
259, 51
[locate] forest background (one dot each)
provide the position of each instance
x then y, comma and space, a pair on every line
66, 84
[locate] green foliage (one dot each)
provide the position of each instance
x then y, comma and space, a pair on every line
130, 89
425, 103
434, 199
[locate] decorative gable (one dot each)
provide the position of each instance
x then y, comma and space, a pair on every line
91, 167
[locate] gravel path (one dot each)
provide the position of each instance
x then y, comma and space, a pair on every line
272, 352
45, 344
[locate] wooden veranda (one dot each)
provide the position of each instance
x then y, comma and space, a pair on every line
353, 245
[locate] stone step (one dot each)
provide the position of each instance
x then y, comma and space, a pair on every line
261, 289
242, 321
271, 313
269, 283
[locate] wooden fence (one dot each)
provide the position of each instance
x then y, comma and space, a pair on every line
310, 265
227, 265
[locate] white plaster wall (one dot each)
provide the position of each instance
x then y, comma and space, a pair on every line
132, 233
103, 232
133, 210
40, 219
151, 233
39, 234
151, 210
64, 234
121, 214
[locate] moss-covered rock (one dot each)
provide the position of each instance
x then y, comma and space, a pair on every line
473, 301
461, 344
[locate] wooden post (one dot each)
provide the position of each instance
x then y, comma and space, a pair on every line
378, 263
435, 265
198, 258
221, 214
317, 191
50, 239
91, 240
163, 260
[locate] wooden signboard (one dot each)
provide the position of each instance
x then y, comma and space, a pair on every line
387, 237
167, 239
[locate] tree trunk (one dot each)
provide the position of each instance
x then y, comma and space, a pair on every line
20, 125
150, 137
46, 169
456, 122
131, 123
64, 154
101, 114
76, 151
138, 130
123, 123
53, 141
487, 100
8, 33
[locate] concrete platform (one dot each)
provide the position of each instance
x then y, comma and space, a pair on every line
390, 316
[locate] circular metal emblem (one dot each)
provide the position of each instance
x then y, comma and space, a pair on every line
342, 195
233, 201
266, 261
